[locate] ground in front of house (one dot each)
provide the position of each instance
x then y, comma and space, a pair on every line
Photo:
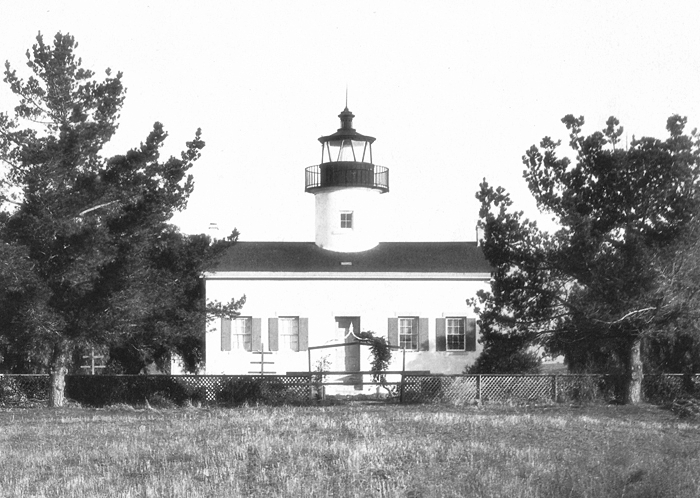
352, 450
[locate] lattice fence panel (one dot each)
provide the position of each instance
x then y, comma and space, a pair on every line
431, 389
269, 388
587, 387
457, 389
517, 387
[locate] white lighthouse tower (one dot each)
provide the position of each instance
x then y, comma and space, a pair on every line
346, 186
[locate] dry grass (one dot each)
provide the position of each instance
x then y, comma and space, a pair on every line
355, 451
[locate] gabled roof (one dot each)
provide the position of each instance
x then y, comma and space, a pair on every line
387, 257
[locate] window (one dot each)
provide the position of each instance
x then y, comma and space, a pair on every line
289, 333
408, 333
456, 339
241, 334
346, 220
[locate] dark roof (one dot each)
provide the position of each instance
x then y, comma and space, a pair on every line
425, 257
346, 130
340, 135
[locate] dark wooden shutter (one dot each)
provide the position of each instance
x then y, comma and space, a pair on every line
440, 337
303, 334
256, 337
225, 334
470, 339
273, 333
393, 331
423, 340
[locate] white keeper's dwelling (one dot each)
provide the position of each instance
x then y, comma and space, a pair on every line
305, 294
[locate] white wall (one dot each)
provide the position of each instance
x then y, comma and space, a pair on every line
374, 301
363, 203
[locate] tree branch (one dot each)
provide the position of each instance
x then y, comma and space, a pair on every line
635, 312
83, 213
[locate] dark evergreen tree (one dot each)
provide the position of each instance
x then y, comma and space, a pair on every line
83, 233
618, 272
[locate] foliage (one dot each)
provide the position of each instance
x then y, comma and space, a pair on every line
380, 350
687, 408
106, 390
257, 390
87, 239
19, 390
321, 365
176, 319
240, 390
620, 268
505, 355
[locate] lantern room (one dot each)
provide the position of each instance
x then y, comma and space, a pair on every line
346, 144
346, 160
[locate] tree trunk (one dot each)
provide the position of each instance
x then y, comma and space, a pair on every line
633, 390
58, 379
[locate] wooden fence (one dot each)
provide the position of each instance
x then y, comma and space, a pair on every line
101, 390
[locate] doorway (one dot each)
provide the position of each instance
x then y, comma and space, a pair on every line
350, 355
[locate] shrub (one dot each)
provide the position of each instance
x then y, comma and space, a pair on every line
241, 390
686, 407
103, 390
580, 388
662, 388
20, 389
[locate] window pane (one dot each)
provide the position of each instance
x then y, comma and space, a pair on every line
455, 334
345, 220
346, 151
241, 335
289, 333
408, 331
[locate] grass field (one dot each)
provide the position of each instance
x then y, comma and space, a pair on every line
351, 450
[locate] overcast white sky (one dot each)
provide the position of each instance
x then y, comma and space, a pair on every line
454, 91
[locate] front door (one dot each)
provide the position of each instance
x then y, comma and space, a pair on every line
347, 325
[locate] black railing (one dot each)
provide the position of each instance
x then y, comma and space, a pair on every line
347, 174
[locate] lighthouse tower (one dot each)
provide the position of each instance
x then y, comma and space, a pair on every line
346, 186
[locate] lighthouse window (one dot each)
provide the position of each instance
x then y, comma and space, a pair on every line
346, 220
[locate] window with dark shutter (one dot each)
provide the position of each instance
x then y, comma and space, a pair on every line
440, 338
225, 334
236, 334
256, 335
289, 333
303, 334
273, 334
455, 328
423, 337
408, 333
393, 331
471, 334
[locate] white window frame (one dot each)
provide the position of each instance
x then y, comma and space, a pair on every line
349, 222
408, 323
242, 333
455, 327
288, 333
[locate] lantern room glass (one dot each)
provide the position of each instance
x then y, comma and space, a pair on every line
347, 150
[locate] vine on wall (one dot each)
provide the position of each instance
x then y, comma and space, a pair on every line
381, 353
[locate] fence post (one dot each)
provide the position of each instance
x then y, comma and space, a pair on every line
554, 388
403, 371
478, 387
